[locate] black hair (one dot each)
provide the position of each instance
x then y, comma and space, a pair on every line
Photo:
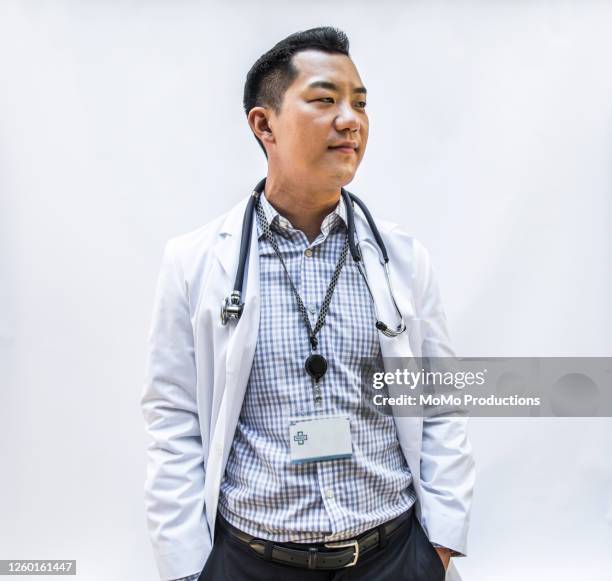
273, 72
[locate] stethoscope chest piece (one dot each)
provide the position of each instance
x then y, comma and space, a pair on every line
231, 308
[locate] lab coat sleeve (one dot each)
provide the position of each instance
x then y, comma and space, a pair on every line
174, 483
447, 466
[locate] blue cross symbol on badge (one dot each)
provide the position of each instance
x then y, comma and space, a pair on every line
300, 438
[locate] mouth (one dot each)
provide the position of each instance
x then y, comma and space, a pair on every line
345, 149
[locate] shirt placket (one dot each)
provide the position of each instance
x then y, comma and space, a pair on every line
326, 471
311, 284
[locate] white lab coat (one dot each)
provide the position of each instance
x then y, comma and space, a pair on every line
197, 371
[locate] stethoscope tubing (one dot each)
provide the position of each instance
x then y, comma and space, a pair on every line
232, 306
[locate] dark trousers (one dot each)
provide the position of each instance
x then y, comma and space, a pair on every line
407, 556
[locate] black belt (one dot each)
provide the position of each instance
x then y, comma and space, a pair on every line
332, 555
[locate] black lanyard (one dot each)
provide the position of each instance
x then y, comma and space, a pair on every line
315, 364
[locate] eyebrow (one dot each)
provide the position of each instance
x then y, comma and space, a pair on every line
333, 87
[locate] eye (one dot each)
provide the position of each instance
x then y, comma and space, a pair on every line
326, 99
361, 104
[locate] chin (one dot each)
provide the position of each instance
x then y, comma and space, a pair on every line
345, 177
336, 175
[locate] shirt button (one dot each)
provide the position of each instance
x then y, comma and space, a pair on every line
308, 252
312, 308
329, 493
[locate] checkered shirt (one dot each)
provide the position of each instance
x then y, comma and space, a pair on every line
262, 492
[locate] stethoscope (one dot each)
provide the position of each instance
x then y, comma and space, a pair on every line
232, 305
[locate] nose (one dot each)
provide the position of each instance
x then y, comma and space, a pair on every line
347, 119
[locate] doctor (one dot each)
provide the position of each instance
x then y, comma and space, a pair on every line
263, 464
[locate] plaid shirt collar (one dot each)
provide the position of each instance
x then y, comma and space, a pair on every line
280, 224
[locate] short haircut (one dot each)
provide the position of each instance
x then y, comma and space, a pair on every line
273, 72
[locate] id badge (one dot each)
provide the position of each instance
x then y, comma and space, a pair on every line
320, 438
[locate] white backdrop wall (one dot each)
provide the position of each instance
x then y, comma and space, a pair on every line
121, 126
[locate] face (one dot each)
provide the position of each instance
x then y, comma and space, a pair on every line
320, 134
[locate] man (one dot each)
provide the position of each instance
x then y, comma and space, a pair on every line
229, 494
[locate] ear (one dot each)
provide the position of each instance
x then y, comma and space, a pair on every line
259, 121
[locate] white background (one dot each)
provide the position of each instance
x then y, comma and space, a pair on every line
121, 125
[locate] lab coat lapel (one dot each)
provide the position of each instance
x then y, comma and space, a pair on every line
409, 429
390, 346
241, 342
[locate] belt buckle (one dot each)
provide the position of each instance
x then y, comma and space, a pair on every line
342, 545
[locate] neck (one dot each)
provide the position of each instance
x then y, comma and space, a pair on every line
305, 206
